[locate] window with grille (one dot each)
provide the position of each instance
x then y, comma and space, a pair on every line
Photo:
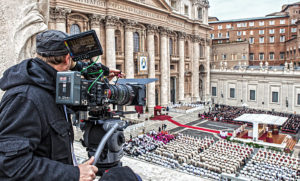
171, 46
232, 92
252, 95
261, 56
274, 96
214, 91
200, 13
75, 29
136, 42
271, 56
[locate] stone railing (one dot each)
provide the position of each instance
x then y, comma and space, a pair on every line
119, 54
175, 58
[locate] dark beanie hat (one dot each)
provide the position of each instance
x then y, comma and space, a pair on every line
51, 43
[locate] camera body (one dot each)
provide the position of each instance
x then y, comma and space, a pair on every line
73, 90
89, 94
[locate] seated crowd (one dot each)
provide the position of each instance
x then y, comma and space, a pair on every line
224, 113
146, 143
268, 165
207, 158
192, 105
225, 157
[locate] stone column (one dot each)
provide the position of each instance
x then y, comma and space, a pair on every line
129, 63
151, 70
95, 20
195, 69
110, 25
207, 56
51, 22
61, 18
164, 78
181, 37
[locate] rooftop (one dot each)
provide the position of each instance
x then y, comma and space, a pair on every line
248, 19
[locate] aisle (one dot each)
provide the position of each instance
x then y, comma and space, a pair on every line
169, 118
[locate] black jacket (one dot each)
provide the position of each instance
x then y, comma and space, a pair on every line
35, 137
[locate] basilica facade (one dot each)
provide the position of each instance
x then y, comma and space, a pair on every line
163, 39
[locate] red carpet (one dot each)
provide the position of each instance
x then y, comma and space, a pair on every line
169, 118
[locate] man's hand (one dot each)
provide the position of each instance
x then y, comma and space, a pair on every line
87, 170
115, 72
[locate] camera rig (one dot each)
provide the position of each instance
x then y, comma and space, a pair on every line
89, 94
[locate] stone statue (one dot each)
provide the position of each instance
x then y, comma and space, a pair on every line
292, 66
20, 21
35, 15
286, 66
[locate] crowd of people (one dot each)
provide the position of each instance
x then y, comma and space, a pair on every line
206, 158
146, 143
224, 113
225, 157
267, 165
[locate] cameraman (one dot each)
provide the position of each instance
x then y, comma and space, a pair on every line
35, 133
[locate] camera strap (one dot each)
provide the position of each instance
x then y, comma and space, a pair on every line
71, 144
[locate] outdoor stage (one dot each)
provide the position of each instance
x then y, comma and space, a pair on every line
265, 131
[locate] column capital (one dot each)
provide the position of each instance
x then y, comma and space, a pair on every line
181, 35
162, 31
151, 29
95, 19
196, 38
111, 21
59, 14
129, 24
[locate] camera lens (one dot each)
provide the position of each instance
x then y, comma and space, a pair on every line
122, 94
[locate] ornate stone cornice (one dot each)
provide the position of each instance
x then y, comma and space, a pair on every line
151, 29
111, 21
95, 19
181, 35
59, 14
129, 24
202, 3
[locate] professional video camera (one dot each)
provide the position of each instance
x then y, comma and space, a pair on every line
91, 96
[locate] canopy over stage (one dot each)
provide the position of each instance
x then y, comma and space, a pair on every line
262, 119
262, 125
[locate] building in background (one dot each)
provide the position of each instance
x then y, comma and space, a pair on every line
169, 38
270, 39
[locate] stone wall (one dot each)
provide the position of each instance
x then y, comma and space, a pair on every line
234, 54
263, 82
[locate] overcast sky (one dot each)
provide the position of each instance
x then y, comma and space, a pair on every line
236, 9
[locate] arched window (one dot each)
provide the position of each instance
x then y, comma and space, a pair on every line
136, 42
200, 13
75, 29
118, 42
156, 46
171, 46
186, 49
